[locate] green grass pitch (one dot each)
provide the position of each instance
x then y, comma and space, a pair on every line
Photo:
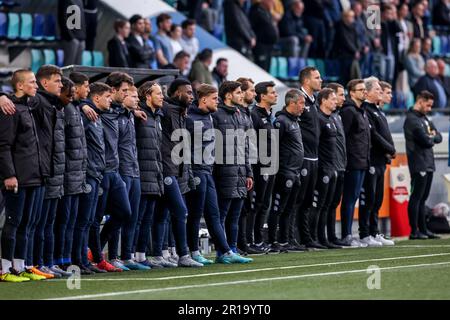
409, 270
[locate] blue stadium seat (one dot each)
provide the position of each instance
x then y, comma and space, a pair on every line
86, 59
293, 68
26, 26
436, 46
444, 45
320, 65
50, 27
98, 59
60, 58
3, 25
282, 67
301, 63
49, 56
273, 67
38, 26
13, 26
310, 62
37, 59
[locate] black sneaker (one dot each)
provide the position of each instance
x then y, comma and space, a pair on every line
418, 236
330, 245
339, 243
274, 247
294, 246
284, 247
431, 235
95, 269
315, 245
241, 252
254, 250
85, 270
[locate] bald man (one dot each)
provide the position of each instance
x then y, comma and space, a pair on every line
432, 83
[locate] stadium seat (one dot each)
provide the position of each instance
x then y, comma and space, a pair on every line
13, 26
436, 46
26, 26
3, 25
301, 64
86, 59
38, 26
332, 70
98, 59
273, 67
282, 67
310, 63
320, 65
410, 99
49, 56
60, 58
293, 68
37, 59
50, 27
444, 45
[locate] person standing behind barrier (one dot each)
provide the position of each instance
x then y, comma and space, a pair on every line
357, 137
340, 163
235, 179
287, 181
381, 153
421, 135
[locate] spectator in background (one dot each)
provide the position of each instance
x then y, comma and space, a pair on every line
426, 49
277, 11
445, 80
189, 41
346, 44
238, 30
73, 39
441, 13
406, 29
180, 62
266, 32
363, 35
332, 15
152, 43
414, 63
175, 37
90, 14
164, 23
117, 47
389, 41
200, 67
295, 40
431, 82
141, 54
314, 22
417, 14
208, 17
220, 72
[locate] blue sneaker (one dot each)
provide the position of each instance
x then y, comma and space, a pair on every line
201, 259
118, 264
133, 265
229, 258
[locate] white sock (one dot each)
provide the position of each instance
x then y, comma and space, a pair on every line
140, 256
132, 256
166, 254
6, 265
19, 264
195, 253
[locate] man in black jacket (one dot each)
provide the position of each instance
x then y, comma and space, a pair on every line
18, 148
357, 137
266, 32
381, 153
233, 178
310, 82
421, 135
180, 97
238, 30
325, 186
261, 114
148, 143
287, 181
117, 47
140, 52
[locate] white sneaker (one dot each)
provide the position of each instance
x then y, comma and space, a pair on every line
385, 242
163, 262
187, 261
370, 241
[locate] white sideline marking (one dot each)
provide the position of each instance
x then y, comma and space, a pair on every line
263, 269
424, 246
228, 283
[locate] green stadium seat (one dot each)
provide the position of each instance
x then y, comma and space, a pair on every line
410, 99
49, 57
320, 65
310, 63
273, 67
37, 59
282, 68
13, 26
86, 59
98, 59
437, 46
26, 26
